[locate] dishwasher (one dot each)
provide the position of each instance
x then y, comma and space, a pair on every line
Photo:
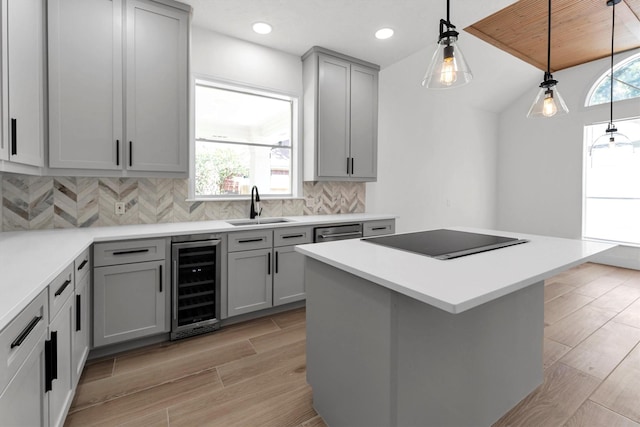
337, 232
195, 284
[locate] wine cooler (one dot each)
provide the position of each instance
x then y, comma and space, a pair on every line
195, 284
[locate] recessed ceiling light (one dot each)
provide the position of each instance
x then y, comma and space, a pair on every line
384, 33
262, 28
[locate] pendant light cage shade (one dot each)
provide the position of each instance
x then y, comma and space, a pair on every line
448, 67
548, 103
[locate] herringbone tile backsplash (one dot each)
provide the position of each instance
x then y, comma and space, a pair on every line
30, 203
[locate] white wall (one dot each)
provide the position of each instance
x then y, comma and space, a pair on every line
437, 150
540, 162
223, 57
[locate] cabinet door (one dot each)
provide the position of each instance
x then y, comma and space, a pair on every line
24, 401
156, 83
333, 117
85, 84
249, 281
25, 62
129, 302
62, 386
364, 122
81, 326
288, 280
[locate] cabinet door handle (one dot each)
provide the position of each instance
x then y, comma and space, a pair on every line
130, 153
25, 332
175, 289
269, 263
276, 267
293, 236
62, 288
352, 168
82, 264
348, 165
78, 309
132, 251
117, 152
251, 240
51, 361
14, 137
160, 275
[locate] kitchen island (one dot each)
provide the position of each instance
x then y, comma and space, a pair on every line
400, 339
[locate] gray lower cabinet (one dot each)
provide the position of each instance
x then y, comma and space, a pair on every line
264, 270
62, 384
23, 398
288, 278
131, 294
81, 326
249, 281
379, 227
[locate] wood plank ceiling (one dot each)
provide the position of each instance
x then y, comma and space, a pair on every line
580, 30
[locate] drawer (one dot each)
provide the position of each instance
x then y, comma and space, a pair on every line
249, 240
128, 251
82, 265
21, 336
377, 228
292, 236
60, 289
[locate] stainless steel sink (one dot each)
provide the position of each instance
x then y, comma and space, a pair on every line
261, 221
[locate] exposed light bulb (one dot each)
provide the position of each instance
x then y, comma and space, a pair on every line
549, 107
448, 74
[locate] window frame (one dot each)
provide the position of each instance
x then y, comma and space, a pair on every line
296, 136
605, 75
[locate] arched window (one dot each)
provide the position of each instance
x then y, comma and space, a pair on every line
626, 83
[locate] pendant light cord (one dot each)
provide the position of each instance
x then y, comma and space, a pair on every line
549, 40
448, 20
613, 27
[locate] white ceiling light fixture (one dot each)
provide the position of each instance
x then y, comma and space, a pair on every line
262, 28
549, 102
384, 33
448, 68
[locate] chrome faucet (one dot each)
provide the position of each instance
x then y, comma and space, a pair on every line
256, 210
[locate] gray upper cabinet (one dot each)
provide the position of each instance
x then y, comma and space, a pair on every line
23, 82
341, 117
118, 77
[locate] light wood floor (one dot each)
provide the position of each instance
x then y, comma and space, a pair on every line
253, 374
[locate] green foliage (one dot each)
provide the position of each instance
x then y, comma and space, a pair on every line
214, 167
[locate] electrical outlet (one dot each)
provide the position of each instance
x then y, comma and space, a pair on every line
119, 208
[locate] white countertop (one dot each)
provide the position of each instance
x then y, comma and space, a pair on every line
458, 284
30, 260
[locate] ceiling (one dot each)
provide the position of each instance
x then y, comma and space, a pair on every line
346, 26
580, 30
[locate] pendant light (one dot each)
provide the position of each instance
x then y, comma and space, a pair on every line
549, 102
448, 67
612, 132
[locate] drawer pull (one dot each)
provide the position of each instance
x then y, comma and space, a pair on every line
251, 240
379, 228
293, 236
62, 288
82, 264
25, 332
132, 251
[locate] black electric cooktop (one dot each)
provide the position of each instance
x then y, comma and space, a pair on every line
445, 244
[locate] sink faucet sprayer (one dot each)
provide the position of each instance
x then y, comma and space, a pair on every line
256, 210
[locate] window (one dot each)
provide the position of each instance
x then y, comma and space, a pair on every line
626, 83
243, 138
612, 189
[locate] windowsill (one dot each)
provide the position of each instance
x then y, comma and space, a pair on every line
242, 198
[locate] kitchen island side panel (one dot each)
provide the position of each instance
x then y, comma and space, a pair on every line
379, 358
348, 347
467, 369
